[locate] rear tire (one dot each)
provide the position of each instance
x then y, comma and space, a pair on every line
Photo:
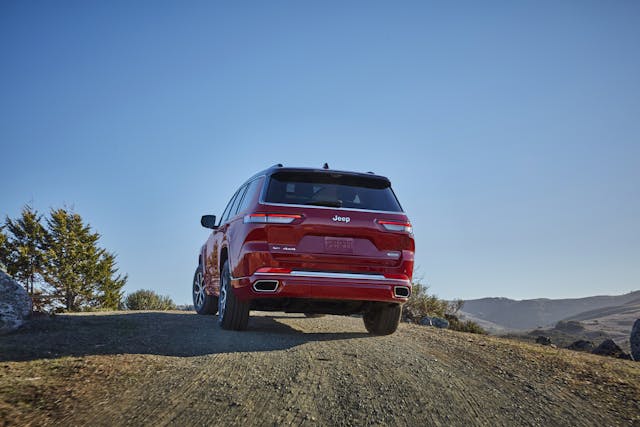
233, 314
202, 302
382, 320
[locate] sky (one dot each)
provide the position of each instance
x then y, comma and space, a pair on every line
510, 130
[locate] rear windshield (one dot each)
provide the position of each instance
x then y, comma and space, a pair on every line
332, 190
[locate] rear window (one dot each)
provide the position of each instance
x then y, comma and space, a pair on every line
332, 190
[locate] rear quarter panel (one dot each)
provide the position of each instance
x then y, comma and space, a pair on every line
230, 237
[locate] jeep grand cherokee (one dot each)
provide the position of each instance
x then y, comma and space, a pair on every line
312, 241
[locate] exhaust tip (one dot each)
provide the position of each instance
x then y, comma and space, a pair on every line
265, 286
401, 291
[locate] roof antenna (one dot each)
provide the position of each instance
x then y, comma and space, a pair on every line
326, 166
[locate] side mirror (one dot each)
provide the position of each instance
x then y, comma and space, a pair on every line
208, 221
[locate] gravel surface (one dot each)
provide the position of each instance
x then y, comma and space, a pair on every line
176, 368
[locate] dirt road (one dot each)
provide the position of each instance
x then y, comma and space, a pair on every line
181, 369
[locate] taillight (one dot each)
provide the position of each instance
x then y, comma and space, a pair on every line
396, 225
273, 270
268, 218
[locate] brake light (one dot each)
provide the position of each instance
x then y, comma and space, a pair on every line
264, 218
273, 270
396, 225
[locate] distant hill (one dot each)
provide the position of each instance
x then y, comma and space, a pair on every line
615, 322
504, 314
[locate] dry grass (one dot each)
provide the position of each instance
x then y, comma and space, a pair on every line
101, 374
56, 386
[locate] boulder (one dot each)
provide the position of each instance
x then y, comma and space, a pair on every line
569, 326
634, 340
15, 304
426, 321
439, 322
611, 349
542, 340
581, 345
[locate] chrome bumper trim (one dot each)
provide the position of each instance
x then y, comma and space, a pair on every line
322, 274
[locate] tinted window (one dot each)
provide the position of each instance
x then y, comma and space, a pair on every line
332, 190
225, 214
236, 202
252, 189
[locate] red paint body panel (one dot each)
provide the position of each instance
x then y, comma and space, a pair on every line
335, 241
321, 288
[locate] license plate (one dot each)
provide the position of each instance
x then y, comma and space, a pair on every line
338, 245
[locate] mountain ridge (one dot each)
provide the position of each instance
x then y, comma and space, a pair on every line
499, 314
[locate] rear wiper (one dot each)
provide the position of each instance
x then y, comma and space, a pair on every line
329, 203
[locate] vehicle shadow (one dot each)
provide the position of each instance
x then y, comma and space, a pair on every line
158, 333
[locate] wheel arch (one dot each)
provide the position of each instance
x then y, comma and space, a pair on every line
224, 256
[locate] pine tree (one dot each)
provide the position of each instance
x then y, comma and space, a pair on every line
110, 283
62, 258
24, 249
4, 250
81, 273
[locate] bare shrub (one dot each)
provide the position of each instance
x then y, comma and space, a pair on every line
148, 300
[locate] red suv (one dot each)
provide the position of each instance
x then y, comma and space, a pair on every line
313, 241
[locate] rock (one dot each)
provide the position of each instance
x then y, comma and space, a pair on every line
15, 304
581, 345
439, 322
569, 326
634, 339
426, 321
542, 340
611, 349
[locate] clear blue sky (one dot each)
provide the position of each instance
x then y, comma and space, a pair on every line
510, 130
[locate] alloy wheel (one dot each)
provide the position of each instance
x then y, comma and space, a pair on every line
198, 290
222, 299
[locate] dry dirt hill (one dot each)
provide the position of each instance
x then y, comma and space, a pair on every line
176, 368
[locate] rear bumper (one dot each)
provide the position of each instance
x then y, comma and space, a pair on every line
325, 285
